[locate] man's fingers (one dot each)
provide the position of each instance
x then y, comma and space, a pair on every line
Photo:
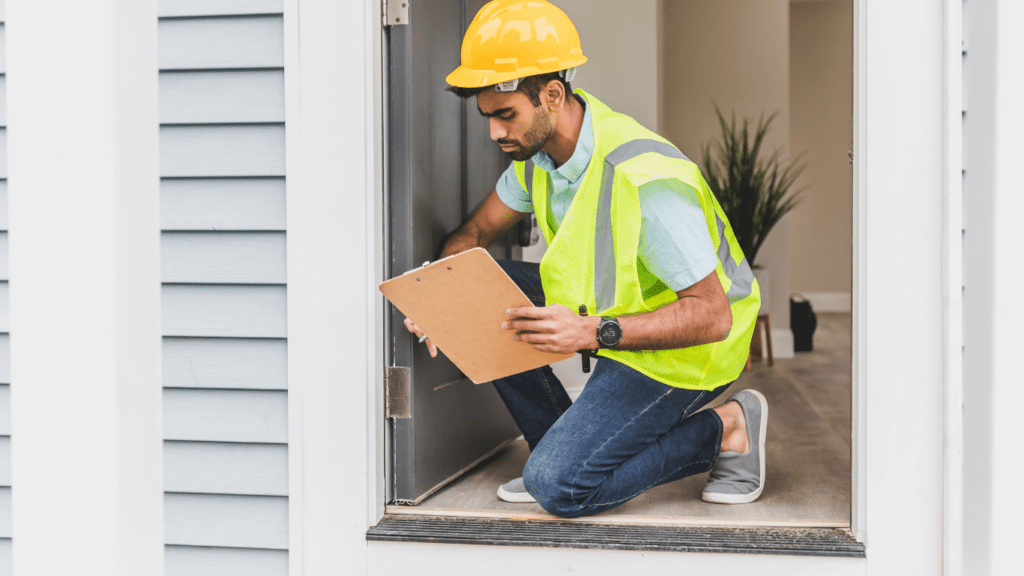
411, 327
529, 325
527, 312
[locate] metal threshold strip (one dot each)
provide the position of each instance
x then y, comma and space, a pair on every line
831, 542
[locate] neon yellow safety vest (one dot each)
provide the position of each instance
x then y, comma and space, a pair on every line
592, 257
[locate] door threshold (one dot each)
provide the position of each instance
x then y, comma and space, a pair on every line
611, 520
551, 532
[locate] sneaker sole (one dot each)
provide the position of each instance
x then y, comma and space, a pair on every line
718, 498
515, 497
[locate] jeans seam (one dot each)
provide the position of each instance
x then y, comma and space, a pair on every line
551, 393
572, 488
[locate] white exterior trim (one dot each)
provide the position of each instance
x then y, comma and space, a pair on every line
1008, 317
952, 306
901, 337
334, 199
85, 264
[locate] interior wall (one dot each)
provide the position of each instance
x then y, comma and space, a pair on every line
821, 127
733, 53
620, 42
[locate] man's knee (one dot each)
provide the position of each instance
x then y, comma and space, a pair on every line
551, 483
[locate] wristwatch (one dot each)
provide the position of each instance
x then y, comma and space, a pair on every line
609, 332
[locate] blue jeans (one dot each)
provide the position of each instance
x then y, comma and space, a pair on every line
625, 434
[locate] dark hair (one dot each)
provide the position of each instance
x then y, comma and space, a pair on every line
530, 86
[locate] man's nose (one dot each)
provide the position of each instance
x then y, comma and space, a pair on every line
497, 130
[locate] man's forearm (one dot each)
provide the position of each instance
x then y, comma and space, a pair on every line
466, 237
686, 322
701, 315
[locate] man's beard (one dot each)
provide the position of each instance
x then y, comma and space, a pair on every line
534, 139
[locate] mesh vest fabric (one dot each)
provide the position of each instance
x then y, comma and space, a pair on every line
592, 256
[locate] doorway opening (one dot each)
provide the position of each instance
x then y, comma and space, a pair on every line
667, 63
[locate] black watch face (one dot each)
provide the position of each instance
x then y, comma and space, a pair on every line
609, 333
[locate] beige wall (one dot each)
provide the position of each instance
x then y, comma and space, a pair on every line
620, 42
821, 126
734, 53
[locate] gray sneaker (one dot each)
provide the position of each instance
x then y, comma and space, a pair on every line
739, 478
514, 491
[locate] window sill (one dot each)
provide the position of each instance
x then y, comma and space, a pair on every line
830, 542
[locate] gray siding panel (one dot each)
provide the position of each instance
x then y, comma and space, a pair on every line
218, 468
224, 311
5, 359
3, 101
217, 257
4, 275
218, 7
224, 304
3, 49
250, 416
229, 521
6, 559
221, 204
3, 205
191, 151
222, 97
246, 363
5, 314
197, 561
3, 153
5, 409
212, 43
5, 461
5, 512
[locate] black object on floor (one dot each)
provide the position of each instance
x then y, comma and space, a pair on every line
803, 321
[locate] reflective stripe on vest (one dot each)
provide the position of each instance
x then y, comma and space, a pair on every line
741, 275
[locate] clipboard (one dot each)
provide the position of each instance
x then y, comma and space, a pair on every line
460, 303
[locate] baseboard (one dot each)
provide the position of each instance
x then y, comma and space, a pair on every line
829, 301
782, 343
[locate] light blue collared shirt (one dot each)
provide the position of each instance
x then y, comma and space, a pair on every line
674, 241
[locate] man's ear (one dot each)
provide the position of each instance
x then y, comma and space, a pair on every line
555, 92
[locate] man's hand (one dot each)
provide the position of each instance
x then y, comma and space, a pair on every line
419, 334
554, 328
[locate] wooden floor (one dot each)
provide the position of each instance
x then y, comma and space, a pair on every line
808, 460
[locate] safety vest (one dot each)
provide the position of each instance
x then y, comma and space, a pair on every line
592, 257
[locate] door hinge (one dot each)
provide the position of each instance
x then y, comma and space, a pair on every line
397, 390
396, 12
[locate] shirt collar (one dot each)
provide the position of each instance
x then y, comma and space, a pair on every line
580, 158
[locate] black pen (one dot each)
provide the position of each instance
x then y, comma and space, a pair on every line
585, 353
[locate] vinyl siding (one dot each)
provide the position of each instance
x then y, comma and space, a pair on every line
5, 360
223, 246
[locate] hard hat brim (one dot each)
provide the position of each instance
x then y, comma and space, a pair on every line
464, 77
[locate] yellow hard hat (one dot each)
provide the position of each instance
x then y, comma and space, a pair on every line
512, 39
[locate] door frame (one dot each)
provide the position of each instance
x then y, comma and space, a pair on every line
907, 383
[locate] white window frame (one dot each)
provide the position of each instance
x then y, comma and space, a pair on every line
907, 383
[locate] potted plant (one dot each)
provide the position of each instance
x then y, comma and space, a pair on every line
753, 186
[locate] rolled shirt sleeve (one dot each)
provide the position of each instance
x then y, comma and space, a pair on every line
511, 192
675, 244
